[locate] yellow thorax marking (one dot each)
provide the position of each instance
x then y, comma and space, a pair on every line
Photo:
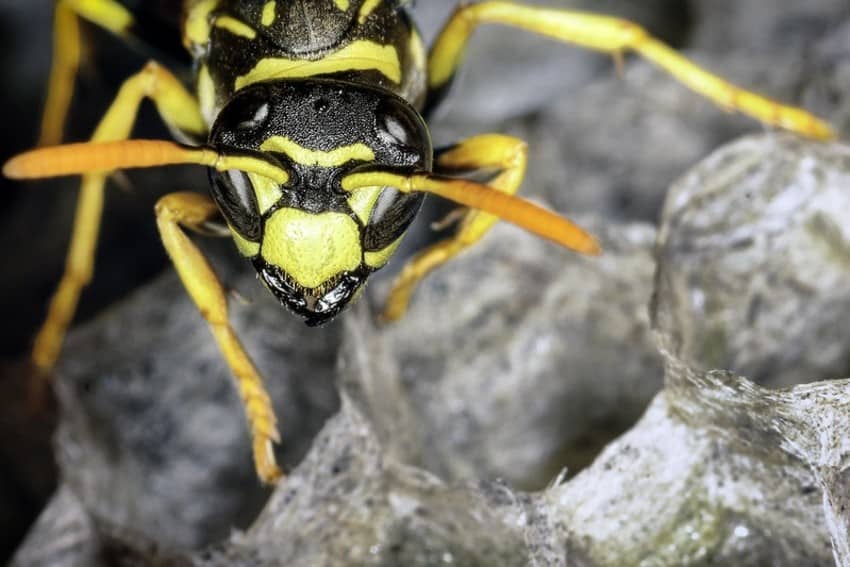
305, 156
417, 50
235, 27
198, 21
366, 9
341, 4
361, 55
269, 11
311, 248
206, 94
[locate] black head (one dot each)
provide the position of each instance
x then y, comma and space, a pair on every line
314, 244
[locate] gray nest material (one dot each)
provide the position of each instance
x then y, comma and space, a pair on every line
550, 355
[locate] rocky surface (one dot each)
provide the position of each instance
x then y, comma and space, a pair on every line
495, 403
157, 414
718, 470
470, 432
727, 298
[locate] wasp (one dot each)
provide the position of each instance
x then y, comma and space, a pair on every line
310, 117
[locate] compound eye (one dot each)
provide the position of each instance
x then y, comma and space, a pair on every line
234, 195
391, 216
403, 134
250, 109
394, 131
244, 120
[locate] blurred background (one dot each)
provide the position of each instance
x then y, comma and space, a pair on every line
510, 84
36, 224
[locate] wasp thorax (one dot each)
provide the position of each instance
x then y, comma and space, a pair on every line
312, 243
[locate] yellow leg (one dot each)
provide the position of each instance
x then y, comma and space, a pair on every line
485, 151
67, 51
192, 210
613, 36
67, 47
177, 108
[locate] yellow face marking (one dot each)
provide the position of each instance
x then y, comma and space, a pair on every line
366, 9
310, 248
197, 27
379, 258
246, 247
206, 94
267, 191
305, 156
269, 11
341, 5
235, 27
363, 201
361, 55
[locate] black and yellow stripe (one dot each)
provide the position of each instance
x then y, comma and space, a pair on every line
237, 44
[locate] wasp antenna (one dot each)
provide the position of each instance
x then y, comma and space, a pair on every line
100, 157
515, 210
95, 157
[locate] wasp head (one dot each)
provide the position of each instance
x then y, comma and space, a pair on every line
312, 243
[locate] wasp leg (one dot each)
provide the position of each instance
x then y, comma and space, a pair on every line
613, 36
179, 109
67, 48
67, 52
485, 151
192, 211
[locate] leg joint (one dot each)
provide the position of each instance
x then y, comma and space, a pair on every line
519, 155
166, 207
149, 76
186, 208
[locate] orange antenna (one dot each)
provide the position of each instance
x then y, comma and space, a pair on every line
101, 157
515, 210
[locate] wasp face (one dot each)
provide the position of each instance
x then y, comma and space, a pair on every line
312, 243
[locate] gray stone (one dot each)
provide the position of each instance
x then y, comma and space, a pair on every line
64, 534
718, 471
783, 27
826, 82
672, 493
516, 359
619, 143
788, 429
349, 504
153, 436
754, 252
